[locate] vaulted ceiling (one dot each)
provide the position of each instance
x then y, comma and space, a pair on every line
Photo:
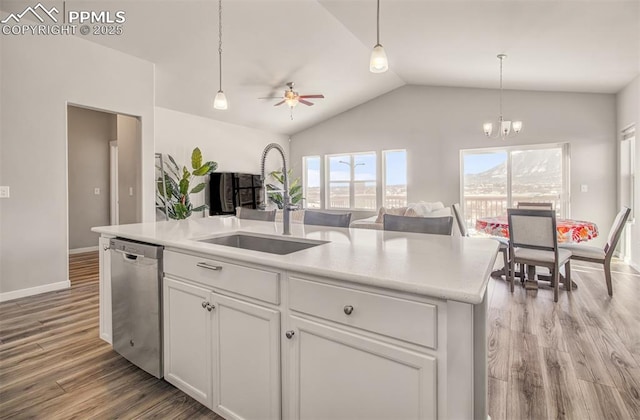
324, 45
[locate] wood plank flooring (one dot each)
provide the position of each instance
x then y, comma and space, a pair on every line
54, 366
577, 359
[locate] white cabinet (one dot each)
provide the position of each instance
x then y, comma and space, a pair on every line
336, 374
105, 288
246, 356
221, 350
187, 339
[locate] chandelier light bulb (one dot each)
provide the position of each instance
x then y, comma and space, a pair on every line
488, 129
517, 126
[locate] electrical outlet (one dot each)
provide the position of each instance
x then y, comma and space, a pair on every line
584, 188
96, 191
4, 192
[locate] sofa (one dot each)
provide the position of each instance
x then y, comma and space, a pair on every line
420, 209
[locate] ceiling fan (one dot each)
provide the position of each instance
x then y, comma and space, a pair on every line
292, 98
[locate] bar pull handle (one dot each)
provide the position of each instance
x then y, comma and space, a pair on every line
209, 266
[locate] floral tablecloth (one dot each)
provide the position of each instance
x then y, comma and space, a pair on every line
568, 230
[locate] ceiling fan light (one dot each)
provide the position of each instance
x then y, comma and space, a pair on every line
488, 129
378, 62
517, 126
291, 102
220, 101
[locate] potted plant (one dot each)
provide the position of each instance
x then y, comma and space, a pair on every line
177, 182
295, 189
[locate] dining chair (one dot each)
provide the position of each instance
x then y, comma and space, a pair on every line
432, 225
533, 240
534, 206
319, 218
253, 214
602, 255
504, 242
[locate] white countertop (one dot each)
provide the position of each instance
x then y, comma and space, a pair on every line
444, 267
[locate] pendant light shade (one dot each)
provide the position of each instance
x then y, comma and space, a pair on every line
378, 62
220, 101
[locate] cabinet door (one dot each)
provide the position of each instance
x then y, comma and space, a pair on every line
187, 339
105, 289
246, 360
335, 374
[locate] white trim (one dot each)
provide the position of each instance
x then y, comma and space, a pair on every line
82, 250
30, 291
634, 266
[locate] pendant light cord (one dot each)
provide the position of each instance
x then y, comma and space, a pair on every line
378, 25
220, 40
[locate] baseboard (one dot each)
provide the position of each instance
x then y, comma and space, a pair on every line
30, 291
82, 250
634, 266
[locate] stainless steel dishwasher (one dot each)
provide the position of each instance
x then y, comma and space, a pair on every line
136, 302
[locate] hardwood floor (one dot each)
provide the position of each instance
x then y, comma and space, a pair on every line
577, 359
54, 366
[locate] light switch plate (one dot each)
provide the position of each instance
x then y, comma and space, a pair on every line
4, 192
96, 191
584, 188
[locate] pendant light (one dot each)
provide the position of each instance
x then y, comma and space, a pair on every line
378, 62
504, 126
220, 102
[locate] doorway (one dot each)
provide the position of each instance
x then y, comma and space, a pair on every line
103, 174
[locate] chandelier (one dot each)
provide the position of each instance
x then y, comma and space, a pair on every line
504, 126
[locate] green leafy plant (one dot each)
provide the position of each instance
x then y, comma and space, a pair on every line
295, 189
178, 185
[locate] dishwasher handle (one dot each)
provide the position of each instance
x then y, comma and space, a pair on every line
129, 256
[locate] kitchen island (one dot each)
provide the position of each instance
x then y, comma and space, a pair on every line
367, 324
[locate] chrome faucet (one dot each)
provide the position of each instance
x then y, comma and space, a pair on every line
286, 225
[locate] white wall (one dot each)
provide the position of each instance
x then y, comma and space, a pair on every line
628, 105
89, 135
235, 148
435, 123
40, 75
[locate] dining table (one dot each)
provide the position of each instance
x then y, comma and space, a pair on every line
568, 231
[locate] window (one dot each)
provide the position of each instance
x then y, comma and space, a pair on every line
351, 181
395, 178
627, 169
312, 186
495, 179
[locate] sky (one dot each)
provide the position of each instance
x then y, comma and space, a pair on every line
475, 163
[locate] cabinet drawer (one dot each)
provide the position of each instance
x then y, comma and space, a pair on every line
393, 317
251, 282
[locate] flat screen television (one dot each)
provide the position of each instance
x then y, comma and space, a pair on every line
228, 190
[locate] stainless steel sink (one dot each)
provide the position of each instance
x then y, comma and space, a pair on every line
263, 243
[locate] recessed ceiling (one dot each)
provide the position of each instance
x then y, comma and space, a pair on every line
324, 46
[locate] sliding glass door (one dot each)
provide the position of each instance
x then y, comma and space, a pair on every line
497, 178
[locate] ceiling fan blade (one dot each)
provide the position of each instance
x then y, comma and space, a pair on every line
302, 101
271, 97
312, 96
279, 103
